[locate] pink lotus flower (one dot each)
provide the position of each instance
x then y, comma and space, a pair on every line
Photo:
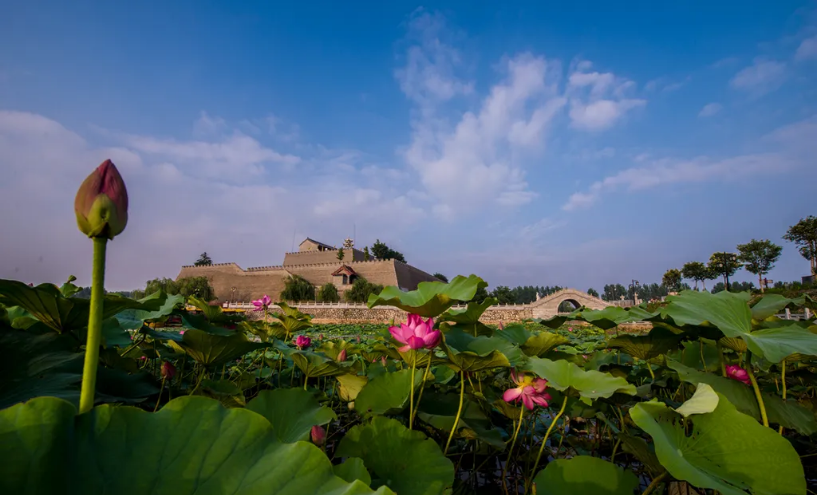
263, 303
101, 204
501, 326
302, 341
143, 358
168, 370
342, 355
358, 338
318, 435
383, 361
181, 332
416, 334
320, 337
735, 372
530, 390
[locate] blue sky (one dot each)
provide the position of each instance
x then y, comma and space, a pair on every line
576, 144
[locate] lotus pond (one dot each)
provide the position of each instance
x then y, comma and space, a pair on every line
717, 398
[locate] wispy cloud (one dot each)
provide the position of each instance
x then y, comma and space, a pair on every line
599, 100
710, 109
807, 50
763, 76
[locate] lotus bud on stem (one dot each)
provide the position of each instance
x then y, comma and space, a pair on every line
101, 208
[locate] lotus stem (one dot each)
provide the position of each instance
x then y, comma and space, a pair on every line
757, 393
459, 411
161, 389
615, 449
783, 380
513, 444
649, 368
547, 434
411, 386
723, 362
422, 387
86, 398
655, 482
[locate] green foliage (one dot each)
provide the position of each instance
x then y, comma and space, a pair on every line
430, 298
340, 254
204, 260
328, 293
362, 290
672, 279
804, 235
503, 295
697, 271
571, 477
759, 257
725, 265
188, 286
383, 252
297, 288
592, 292
440, 277
366, 255
291, 412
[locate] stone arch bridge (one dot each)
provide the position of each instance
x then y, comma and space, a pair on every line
548, 306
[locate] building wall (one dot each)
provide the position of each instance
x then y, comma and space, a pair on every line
315, 257
408, 277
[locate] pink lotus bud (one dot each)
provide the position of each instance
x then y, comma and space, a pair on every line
342, 355
143, 358
735, 372
168, 370
101, 204
181, 332
302, 342
358, 338
383, 360
318, 435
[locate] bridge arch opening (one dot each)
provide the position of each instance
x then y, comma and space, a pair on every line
568, 306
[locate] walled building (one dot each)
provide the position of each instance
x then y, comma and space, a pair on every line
314, 261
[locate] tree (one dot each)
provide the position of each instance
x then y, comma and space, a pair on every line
804, 235
759, 257
340, 254
383, 252
725, 265
503, 294
297, 288
366, 255
480, 295
167, 285
203, 260
441, 277
613, 292
361, 289
328, 293
592, 292
672, 279
196, 286
697, 271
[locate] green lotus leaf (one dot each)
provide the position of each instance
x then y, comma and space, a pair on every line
19, 318
703, 401
645, 347
788, 414
215, 350
35, 364
350, 386
114, 335
699, 354
314, 365
68, 289
292, 412
607, 318
540, 343
467, 319
213, 313
469, 353
387, 394
353, 469
162, 336
159, 305
728, 311
726, 451
562, 375
772, 304
47, 304
643, 451
584, 475
776, 344
514, 333
121, 387
406, 461
193, 445
430, 299
440, 411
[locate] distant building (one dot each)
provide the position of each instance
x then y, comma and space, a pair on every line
808, 280
314, 261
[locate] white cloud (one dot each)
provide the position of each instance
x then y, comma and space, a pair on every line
807, 49
598, 100
762, 77
795, 141
710, 109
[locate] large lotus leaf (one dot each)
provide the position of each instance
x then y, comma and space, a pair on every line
18, 317
562, 375
406, 461
467, 319
35, 364
349, 386
388, 393
514, 333
193, 445
469, 353
728, 311
430, 299
158, 305
703, 401
573, 477
699, 354
212, 313
440, 411
314, 365
285, 326
46, 303
68, 289
643, 451
215, 350
353, 469
776, 344
645, 347
293, 312
540, 343
118, 386
726, 450
771, 304
292, 412
788, 413
114, 335
200, 322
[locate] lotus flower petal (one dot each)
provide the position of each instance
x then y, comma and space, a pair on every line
527, 401
432, 339
512, 394
415, 342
